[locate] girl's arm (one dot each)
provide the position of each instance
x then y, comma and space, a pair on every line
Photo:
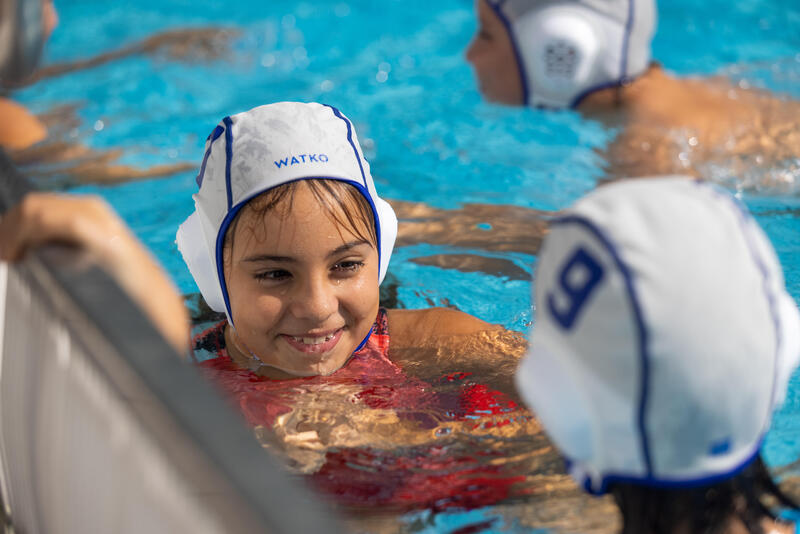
90, 224
19, 128
187, 44
41, 148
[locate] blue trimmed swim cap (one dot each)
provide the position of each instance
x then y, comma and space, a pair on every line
252, 152
664, 335
566, 50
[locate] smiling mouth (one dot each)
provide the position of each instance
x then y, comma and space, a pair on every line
314, 344
313, 340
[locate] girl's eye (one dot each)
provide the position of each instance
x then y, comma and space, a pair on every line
277, 274
348, 266
483, 30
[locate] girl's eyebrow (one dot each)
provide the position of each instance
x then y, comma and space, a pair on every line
288, 259
266, 257
347, 246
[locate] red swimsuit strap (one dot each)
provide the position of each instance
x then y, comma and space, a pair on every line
379, 339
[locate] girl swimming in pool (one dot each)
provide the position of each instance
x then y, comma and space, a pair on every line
595, 57
290, 240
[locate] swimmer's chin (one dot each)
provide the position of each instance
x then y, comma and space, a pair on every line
321, 364
324, 367
327, 367
276, 372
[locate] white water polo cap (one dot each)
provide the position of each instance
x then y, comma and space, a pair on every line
252, 152
664, 336
566, 50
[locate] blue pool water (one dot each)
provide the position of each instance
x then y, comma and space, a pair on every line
396, 68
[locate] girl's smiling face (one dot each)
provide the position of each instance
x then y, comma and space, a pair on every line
302, 277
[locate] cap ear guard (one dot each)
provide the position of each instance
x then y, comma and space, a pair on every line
192, 245
560, 50
388, 233
547, 384
786, 311
790, 346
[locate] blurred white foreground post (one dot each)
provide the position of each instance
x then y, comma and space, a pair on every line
104, 429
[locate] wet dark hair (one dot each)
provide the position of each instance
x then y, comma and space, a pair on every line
703, 510
344, 205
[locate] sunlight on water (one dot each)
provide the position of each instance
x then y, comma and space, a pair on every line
428, 453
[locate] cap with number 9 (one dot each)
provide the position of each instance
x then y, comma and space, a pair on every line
664, 337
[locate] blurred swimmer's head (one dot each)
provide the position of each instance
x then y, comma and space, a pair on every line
289, 237
549, 53
25, 25
664, 336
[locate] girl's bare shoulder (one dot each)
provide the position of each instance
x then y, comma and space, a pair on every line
415, 327
438, 341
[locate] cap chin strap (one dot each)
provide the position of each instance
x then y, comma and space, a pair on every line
547, 384
21, 39
790, 346
255, 363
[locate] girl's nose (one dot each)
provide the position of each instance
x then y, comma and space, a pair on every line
314, 299
469, 53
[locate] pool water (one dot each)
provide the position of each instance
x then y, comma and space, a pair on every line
397, 69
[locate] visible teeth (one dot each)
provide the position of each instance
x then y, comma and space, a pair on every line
313, 340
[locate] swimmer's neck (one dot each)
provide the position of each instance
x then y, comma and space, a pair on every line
606, 104
711, 107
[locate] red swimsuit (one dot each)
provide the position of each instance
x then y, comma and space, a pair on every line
429, 475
